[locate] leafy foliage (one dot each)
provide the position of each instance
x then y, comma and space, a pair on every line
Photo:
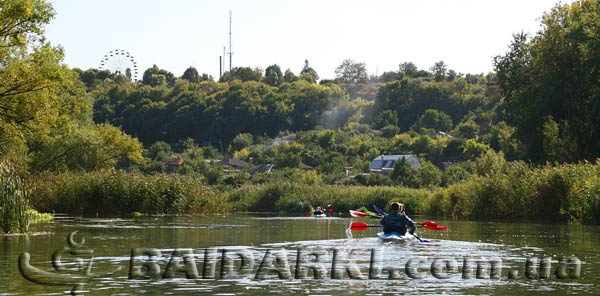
555, 73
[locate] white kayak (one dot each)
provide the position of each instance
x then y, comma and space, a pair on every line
395, 236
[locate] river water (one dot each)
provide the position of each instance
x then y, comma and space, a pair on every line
255, 254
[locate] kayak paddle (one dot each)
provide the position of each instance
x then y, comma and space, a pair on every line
362, 226
427, 224
418, 238
379, 210
362, 215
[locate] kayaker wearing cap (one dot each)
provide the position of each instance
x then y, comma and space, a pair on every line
397, 221
318, 212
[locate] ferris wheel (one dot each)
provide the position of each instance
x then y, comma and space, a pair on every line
119, 61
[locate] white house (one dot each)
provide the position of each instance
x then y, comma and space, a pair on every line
385, 163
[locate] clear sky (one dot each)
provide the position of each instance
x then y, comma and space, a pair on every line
176, 34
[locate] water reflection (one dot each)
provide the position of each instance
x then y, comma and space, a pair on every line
310, 247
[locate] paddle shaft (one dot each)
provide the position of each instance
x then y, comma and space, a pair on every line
417, 237
427, 224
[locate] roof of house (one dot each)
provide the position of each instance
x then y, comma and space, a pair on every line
387, 162
261, 168
174, 161
305, 166
278, 141
394, 157
234, 162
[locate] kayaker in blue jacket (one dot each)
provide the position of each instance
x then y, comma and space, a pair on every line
397, 221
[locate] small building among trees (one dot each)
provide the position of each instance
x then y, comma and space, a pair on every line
173, 163
385, 164
235, 163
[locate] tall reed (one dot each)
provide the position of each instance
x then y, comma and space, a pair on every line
13, 201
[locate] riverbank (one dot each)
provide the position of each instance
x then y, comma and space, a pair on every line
568, 192
119, 193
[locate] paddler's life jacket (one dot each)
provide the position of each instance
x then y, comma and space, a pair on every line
397, 222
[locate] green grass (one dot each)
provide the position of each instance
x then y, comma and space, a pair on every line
37, 217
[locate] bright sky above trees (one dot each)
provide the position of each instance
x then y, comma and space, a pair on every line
176, 34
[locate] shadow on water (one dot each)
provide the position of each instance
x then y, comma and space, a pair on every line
258, 255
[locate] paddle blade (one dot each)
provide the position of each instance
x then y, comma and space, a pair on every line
379, 210
433, 225
357, 214
359, 226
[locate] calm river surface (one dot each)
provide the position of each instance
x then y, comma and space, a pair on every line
251, 254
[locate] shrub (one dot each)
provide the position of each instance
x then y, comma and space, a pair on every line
122, 193
518, 190
292, 197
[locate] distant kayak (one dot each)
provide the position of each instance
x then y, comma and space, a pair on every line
320, 215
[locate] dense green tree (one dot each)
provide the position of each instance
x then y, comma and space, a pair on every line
158, 77
308, 73
385, 118
31, 73
273, 75
310, 102
390, 76
408, 69
159, 150
410, 97
440, 70
556, 141
45, 115
428, 175
289, 76
247, 74
435, 119
451, 75
351, 72
467, 130
502, 138
404, 174
92, 148
474, 149
455, 174
93, 78
191, 74
555, 74
389, 131
242, 140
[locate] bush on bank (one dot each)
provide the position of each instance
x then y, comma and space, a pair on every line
289, 197
512, 190
122, 193
550, 192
